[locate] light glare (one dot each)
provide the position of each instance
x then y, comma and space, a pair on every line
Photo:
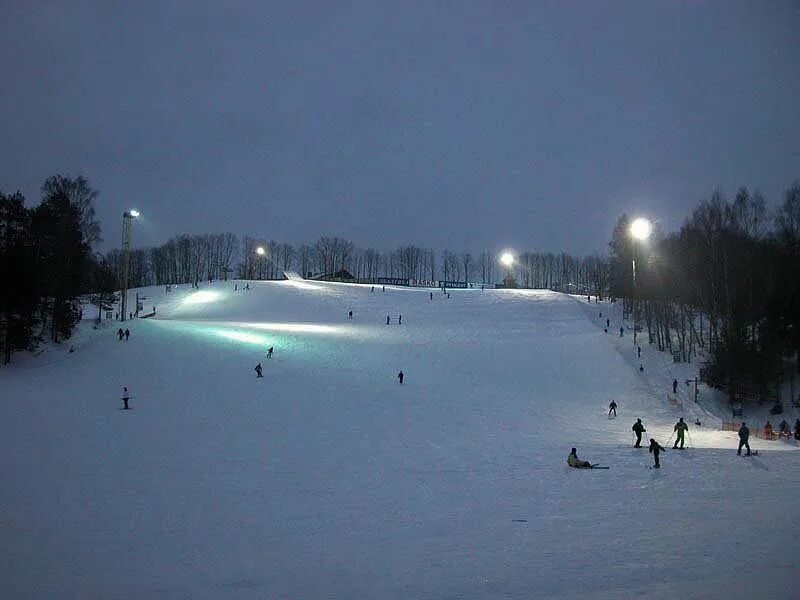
507, 259
202, 297
641, 228
134, 213
260, 251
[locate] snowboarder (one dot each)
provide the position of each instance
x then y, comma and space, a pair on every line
258, 371
655, 448
120, 333
127, 334
605, 330
400, 377
697, 422
387, 319
674, 386
612, 408
680, 429
574, 461
608, 323
400, 320
269, 352
638, 429
744, 439
621, 331
125, 397
350, 315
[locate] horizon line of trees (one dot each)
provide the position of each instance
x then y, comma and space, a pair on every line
194, 258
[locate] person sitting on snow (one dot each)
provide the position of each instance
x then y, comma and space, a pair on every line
574, 461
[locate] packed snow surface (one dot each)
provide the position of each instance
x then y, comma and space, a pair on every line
328, 479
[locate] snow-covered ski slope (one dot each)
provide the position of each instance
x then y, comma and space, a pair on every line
328, 479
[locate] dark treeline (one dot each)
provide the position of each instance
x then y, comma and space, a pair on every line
728, 283
194, 258
46, 263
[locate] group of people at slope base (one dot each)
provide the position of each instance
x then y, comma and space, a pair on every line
783, 430
680, 429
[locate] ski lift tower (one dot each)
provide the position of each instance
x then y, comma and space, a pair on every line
127, 219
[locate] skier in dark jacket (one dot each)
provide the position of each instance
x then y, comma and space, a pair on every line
638, 429
612, 408
120, 333
127, 334
400, 377
674, 386
270, 350
744, 439
680, 428
258, 370
655, 448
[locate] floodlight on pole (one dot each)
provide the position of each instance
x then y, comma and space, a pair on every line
127, 218
640, 230
260, 251
507, 260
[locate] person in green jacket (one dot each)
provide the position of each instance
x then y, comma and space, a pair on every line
680, 429
574, 461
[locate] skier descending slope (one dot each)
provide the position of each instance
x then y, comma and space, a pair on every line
638, 429
681, 428
655, 448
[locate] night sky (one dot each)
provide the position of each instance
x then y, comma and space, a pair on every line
458, 125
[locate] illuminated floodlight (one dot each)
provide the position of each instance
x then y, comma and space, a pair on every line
260, 251
507, 259
134, 213
202, 297
641, 228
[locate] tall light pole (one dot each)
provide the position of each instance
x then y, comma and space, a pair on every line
507, 260
640, 231
127, 219
260, 252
